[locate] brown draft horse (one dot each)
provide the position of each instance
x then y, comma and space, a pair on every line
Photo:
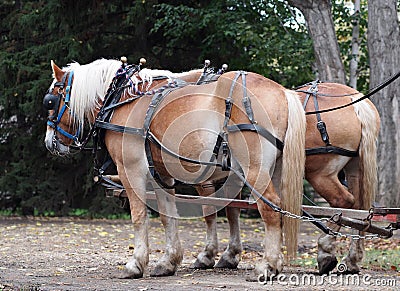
354, 130
188, 122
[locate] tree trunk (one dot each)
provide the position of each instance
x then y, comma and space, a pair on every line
322, 31
384, 56
355, 45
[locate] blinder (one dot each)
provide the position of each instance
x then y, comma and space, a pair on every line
51, 101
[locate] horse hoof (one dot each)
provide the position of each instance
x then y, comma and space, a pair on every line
327, 264
163, 271
205, 260
205, 264
346, 267
227, 263
264, 271
131, 271
128, 275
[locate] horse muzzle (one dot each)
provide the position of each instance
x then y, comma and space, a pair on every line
54, 145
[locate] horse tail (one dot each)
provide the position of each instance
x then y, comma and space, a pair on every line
370, 124
293, 163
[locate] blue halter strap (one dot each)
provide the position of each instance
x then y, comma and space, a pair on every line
54, 123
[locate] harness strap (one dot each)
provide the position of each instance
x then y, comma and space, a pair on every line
115, 105
321, 126
155, 102
151, 137
260, 130
223, 141
306, 99
67, 96
246, 100
62, 131
329, 95
229, 100
331, 150
119, 128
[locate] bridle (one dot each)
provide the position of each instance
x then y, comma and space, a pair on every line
52, 102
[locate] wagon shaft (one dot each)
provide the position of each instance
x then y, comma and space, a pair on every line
245, 204
385, 211
363, 225
317, 211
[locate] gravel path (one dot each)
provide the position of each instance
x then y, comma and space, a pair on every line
80, 254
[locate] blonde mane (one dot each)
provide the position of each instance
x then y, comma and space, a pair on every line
91, 82
89, 87
147, 75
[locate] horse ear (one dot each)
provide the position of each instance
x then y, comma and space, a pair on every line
57, 72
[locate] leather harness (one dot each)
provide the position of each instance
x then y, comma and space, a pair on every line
321, 126
112, 101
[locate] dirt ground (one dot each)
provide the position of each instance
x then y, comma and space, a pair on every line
80, 254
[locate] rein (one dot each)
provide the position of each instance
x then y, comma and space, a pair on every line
368, 95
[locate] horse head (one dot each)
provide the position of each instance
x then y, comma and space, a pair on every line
74, 98
61, 131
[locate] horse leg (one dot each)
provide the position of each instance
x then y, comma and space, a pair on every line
329, 187
206, 259
231, 256
272, 261
169, 262
356, 252
355, 256
137, 202
326, 257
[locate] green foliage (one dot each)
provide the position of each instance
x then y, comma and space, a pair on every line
78, 212
33, 33
6, 212
261, 36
